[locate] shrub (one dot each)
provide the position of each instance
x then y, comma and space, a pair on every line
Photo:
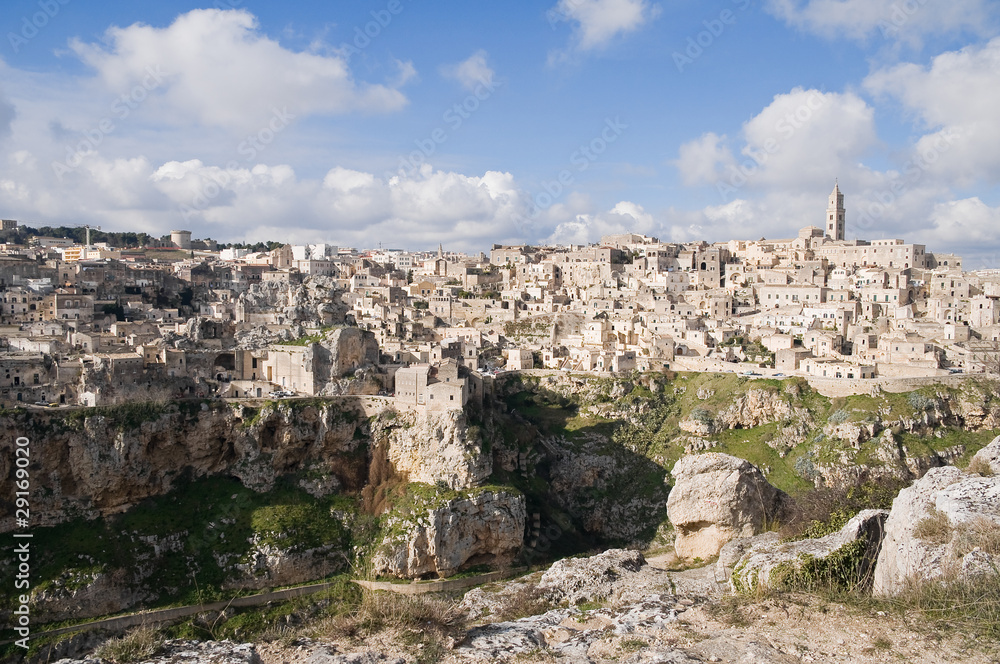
826, 510
934, 528
980, 467
920, 402
838, 417
140, 643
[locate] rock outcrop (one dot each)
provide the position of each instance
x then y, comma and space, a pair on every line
936, 528
845, 557
717, 498
102, 461
576, 580
435, 447
192, 652
443, 537
987, 460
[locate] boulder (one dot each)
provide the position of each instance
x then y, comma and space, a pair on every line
987, 458
939, 528
718, 498
577, 580
847, 556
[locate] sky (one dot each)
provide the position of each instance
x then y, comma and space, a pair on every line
409, 123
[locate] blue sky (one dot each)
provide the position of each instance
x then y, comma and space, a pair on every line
469, 123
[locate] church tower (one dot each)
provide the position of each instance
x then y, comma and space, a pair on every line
836, 223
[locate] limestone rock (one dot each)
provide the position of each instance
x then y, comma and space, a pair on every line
766, 561
486, 527
989, 456
758, 407
932, 528
435, 447
192, 652
577, 580
717, 498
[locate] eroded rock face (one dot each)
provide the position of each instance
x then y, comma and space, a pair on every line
193, 652
576, 580
768, 560
480, 528
932, 528
717, 498
99, 463
435, 447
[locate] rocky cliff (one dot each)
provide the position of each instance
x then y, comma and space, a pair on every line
101, 461
439, 534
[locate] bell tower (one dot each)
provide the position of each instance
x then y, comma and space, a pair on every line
836, 223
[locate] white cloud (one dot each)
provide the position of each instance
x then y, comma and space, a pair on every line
802, 139
969, 227
217, 68
625, 217
598, 22
894, 20
346, 206
704, 160
471, 72
957, 99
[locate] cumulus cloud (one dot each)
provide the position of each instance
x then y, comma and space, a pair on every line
704, 160
625, 217
471, 72
802, 139
347, 206
968, 227
957, 99
598, 22
216, 67
893, 20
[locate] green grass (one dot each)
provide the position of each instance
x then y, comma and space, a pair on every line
208, 518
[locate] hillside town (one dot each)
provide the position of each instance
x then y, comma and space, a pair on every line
95, 324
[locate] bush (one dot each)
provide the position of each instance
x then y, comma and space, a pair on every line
140, 643
920, 402
826, 510
980, 467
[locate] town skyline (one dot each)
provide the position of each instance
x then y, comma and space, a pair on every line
535, 122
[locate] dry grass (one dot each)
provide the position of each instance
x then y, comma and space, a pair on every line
935, 528
980, 533
970, 606
526, 601
420, 624
140, 643
980, 467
